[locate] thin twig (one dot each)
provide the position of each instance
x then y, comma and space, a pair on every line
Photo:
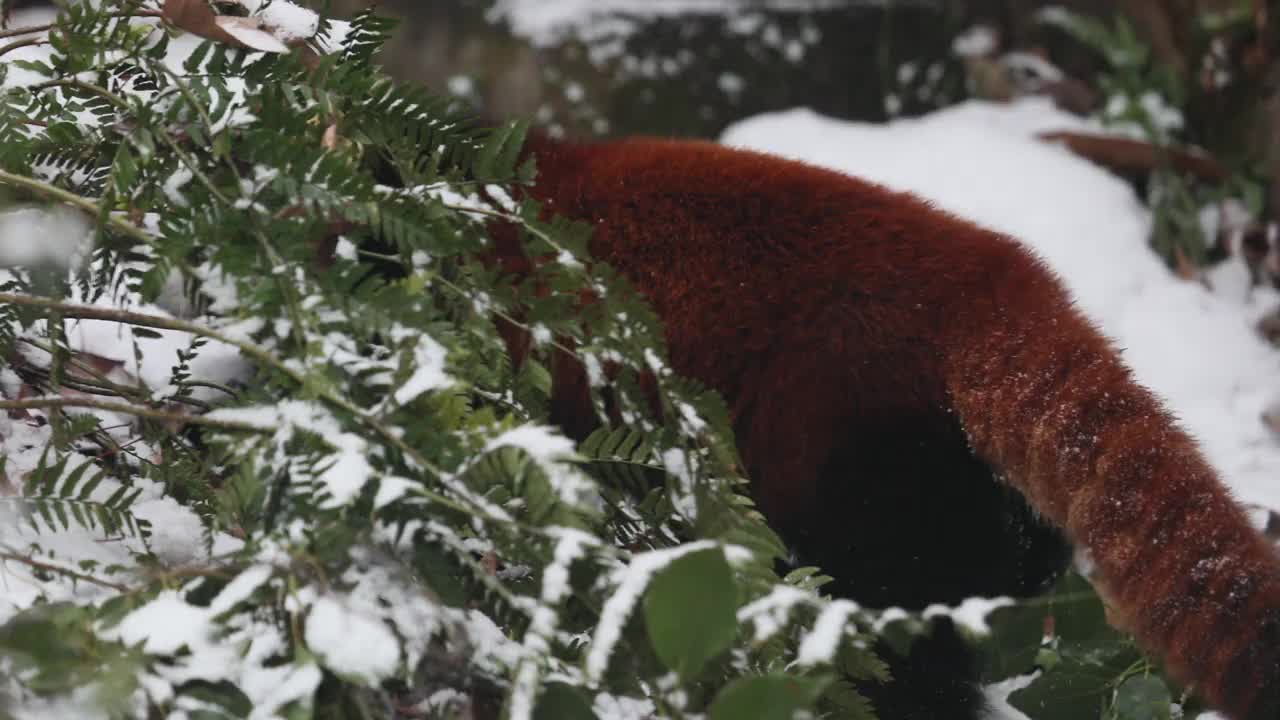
85, 204
263, 356
273, 256
59, 401
120, 448
184, 572
32, 29
209, 384
25, 42
15, 557
105, 382
27, 30
99, 384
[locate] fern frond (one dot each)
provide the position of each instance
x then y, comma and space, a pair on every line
623, 457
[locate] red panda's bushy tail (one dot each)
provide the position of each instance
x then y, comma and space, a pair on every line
1049, 404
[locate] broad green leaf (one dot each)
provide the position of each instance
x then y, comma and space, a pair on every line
558, 701
1143, 697
1072, 690
690, 611
125, 169
769, 697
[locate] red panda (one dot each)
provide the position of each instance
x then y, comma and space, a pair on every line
919, 406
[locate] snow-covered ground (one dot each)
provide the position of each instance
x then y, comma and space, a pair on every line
545, 23
1194, 347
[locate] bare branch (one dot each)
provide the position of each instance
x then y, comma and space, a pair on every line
89, 206
67, 572
25, 42
59, 401
33, 29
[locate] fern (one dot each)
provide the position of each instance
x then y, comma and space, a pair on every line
624, 457
55, 498
380, 461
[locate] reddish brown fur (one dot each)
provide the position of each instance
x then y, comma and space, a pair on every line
818, 304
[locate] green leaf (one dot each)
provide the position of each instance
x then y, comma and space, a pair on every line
60, 510
87, 489
68, 488
1014, 642
1072, 689
498, 156
1144, 697
1072, 612
559, 701
769, 697
690, 611
124, 169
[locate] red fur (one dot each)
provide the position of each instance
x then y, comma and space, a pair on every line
823, 307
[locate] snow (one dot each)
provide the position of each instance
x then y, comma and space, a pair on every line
27, 17
1195, 348
391, 489
215, 362
630, 583
183, 625
977, 41
769, 614
344, 474
428, 368
572, 545
168, 623
1032, 66
274, 687
623, 708
172, 528
177, 537
239, 589
39, 236
380, 591
820, 645
552, 451
971, 613
287, 20
351, 643
493, 651
545, 23
555, 578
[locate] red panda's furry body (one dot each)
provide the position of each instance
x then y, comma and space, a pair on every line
892, 369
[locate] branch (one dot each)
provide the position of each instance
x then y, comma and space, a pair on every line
127, 317
25, 42
15, 557
92, 375
85, 204
1125, 155
263, 356
286, 289
59, 401
28, 30
32, 29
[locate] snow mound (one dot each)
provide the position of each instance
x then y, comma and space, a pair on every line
546, 23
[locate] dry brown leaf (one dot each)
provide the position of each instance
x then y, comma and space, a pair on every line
1128, 156
329, 141
249, 33
196, 17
